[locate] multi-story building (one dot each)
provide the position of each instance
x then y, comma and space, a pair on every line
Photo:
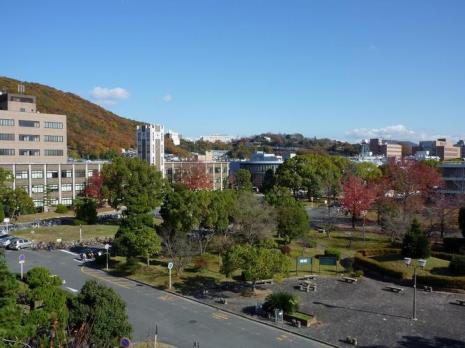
379, 147
175, 137
29, 136
442, 148
258, 165
216, 137
50, 184
217, 172
150, 145
453, 174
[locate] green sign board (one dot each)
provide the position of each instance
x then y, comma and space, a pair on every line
328, 261
304, 261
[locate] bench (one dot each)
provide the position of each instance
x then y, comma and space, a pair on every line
460, 302
394, 289
264, 282
428, 288
349, 280
309, 277
222, 300
307, 286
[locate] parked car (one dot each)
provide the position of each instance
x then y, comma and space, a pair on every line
5, 241
18, 244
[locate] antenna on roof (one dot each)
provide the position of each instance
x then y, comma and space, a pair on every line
21, 88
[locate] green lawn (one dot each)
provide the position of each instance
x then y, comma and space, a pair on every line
43, 216
396, 262
67, 232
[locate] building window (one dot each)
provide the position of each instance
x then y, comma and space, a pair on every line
21, 174
54, 125
67, 187
52, 188
37, 188
66, 173
67, 201
80, 173
7, 122
52, 174
53, 201
38, 203
28, 137
79, 187
7, 152
90, 173
53, 152
25, 123
29, 152
7, 136
53, 138
37, 174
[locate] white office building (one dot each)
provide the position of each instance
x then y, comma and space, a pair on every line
150, 145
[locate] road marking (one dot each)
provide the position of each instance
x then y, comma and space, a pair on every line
219, 316
68, 252
71, 289
77, 260
108, 279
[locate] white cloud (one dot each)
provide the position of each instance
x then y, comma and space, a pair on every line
167, 98
106, 95
395, 132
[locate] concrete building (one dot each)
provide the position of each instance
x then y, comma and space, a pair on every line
216, 171
216, 137
27, 136
453, 174
442, 148
380, 147
258, 165
151, 146
50, 184
175, 137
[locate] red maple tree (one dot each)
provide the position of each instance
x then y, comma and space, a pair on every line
93, 188
196, 178
358, 197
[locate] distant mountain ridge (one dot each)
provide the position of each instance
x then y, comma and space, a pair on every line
93, 132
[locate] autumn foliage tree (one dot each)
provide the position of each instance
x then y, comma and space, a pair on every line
196, 178
93, 188
358, 197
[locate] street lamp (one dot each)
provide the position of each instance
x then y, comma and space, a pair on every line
421, 263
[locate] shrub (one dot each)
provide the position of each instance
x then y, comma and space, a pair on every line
129, 267
457, 265
377, 267
330, 252
442, 281
285, 249
348, 264
61, 209
358, 273
289, 303
201, 264
453, 245
415, 243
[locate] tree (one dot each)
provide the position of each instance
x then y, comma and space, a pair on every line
357, 197
196, 178
368, 172
137, 241
255, 262
287, 302
86, 210
462, 220
269, 180
2, 212
253, 219
94, 188
133, 183
415, 243
17, 202
242, 180
99, 315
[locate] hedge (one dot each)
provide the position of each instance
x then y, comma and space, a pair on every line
331, 252
442, 281
376, 266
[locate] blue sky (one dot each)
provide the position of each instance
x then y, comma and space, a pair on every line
338, 69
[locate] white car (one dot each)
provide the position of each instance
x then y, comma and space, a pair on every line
18, 244
5, 241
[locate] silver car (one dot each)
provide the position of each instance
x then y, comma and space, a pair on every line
5, 241
18, 244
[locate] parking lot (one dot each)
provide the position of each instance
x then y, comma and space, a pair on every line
374, 315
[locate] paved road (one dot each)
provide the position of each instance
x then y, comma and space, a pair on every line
180, 321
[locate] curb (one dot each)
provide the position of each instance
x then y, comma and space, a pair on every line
235, 313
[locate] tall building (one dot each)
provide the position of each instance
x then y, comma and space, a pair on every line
442, 148
175, 137
150, 145
383, 148
29, 136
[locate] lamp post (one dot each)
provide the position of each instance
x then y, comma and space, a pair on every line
421, 263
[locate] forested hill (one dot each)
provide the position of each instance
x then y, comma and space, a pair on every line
92, 131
